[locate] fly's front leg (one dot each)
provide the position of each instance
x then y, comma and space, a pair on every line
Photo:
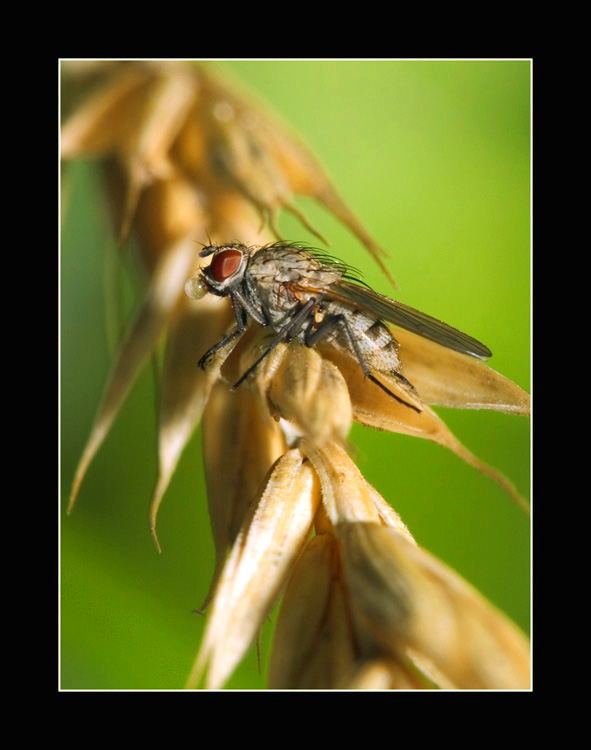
313, 337
220, 345
260, 313
240, 315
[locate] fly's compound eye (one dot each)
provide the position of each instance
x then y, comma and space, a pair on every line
225, 264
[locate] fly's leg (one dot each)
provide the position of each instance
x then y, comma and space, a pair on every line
240, 315
220, 345
402, 379
289, 330
313, 337
260, 314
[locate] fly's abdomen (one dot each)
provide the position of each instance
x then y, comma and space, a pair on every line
373, 338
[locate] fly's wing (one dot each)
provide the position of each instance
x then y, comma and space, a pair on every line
409, 319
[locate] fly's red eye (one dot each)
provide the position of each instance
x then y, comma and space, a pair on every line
225, 264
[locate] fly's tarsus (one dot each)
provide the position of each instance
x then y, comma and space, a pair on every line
389, 392
220, 345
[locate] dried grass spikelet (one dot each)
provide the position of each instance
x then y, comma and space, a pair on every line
315, 645
271, 540
476, 386
364, 607
187, 159
310, 392
239, 446
402, 597
447, 378
404, 605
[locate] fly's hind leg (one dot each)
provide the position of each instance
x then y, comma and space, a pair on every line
313, 337
402, 379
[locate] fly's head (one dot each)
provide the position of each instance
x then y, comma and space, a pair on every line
225, 272
227, 267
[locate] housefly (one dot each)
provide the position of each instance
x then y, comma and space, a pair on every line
304, 294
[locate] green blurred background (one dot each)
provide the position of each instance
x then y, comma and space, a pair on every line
434, 157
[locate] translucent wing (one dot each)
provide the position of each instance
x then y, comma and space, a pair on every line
409, 319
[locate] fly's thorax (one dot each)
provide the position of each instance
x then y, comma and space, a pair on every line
275, 299
291, 265
290, 262
374, 339
284, 278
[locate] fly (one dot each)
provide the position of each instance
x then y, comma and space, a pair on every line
306, 295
